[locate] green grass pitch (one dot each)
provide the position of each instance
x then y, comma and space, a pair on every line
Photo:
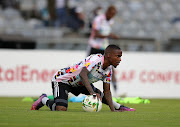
159, 113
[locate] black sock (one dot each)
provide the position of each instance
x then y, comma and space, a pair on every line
51, 104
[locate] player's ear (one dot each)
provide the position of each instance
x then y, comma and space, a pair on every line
108, 54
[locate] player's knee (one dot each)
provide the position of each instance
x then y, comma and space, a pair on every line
61, 108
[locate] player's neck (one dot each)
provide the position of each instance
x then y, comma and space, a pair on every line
105, 65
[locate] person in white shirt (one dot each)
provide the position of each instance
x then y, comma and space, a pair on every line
100, 34
79, 78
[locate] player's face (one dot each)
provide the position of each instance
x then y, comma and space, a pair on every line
115, 58
110, 14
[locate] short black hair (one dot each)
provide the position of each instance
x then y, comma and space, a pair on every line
112, 8
111, 47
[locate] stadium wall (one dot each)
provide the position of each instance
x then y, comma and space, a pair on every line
142, 74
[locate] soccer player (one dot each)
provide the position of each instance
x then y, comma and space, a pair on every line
100, 34
79, 78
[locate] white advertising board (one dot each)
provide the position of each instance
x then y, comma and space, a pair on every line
150, 75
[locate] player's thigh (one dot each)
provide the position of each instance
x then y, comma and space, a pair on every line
82, 90
78, 90
60, 93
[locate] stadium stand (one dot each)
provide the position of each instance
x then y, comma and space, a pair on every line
137, 21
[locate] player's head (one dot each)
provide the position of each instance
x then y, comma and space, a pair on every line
111, 12
113, 55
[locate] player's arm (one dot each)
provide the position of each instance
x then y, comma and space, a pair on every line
111, 35
108, 96
98, 35
84, 77
96, 26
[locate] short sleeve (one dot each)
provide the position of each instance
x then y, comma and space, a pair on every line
97, 23
108, 77
92, 61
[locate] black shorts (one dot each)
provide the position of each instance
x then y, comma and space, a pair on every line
96, 51
61, 90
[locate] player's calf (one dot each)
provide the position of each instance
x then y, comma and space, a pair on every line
61, 108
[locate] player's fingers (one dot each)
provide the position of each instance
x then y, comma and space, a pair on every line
99, 97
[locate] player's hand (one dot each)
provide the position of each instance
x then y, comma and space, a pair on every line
118, 111
98, 96
114, 111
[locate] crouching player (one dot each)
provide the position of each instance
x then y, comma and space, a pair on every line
79, 78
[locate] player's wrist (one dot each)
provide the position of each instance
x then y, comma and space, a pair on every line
112, 109
92, 93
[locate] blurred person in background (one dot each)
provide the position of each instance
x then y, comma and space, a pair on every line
51, 10
61, 12
97, 11
100, 34
9, 3
75, 18
69, 14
